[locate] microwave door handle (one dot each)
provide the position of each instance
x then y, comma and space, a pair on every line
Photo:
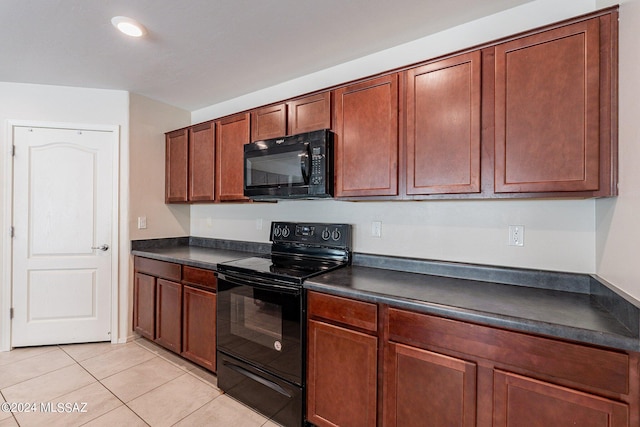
305, 163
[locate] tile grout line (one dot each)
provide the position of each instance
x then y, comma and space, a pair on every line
12, 414
106, 388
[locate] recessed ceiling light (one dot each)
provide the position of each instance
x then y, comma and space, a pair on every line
129, 26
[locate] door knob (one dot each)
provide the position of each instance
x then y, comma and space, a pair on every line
102, 247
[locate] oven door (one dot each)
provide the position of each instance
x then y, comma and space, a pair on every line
261, 323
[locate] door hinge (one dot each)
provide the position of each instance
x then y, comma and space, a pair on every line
13, 150
12, 231
11, 313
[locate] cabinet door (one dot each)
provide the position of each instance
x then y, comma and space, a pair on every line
367, 138
269, 122
426, 388
310, 113
202, 162
144, 304
176, 166
522, 401
199, 327
169, 314
443, 126
547, 111
231, 135
341, 376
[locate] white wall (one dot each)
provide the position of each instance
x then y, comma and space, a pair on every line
63, 105
559, 235
618, 219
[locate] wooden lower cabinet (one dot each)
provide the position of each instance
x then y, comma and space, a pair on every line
175, 306
426, 388
381, 365
522, 401
199, 326
342, 361
144, 309
341, 377
169, 315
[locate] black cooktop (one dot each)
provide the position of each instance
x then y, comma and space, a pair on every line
299, 251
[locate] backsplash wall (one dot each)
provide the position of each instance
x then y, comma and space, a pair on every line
559, 234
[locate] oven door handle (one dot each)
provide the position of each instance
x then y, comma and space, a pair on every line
257, 282
242, 371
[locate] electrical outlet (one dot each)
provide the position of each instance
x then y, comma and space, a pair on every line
376, 229
142, 222
259, 224
516, 235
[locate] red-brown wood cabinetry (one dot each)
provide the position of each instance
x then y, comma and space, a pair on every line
552, 101
309, 113
296, 116
177, 166
199, 316
202, 162
189, 165
169, 314
144, 310
520, 379
367, 141
419, 369
175, 306
520, 401
341, 362
231, 134
269, 122
421, 385
443, 126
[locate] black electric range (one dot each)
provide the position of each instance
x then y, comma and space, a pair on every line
261, 316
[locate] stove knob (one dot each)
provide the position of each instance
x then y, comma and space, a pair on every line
277, 231
326, 234
285, 232
336, 235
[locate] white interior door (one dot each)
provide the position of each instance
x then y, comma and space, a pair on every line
62, 216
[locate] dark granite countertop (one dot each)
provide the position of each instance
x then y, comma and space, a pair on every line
576, 307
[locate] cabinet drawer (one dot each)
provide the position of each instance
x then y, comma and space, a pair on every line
199, 277
346, 311
166, 270
552, 359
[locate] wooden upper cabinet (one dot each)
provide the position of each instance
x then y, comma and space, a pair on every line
176, 166
443, 126
309, 113
231, 134
202, 162
547, 110
366, 144
269, 122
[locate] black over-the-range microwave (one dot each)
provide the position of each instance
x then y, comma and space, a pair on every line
292, 167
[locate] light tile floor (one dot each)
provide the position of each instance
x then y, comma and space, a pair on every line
133, 384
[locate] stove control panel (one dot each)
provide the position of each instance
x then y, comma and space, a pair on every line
315, 234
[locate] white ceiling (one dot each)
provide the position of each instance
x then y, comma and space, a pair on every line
201, 52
